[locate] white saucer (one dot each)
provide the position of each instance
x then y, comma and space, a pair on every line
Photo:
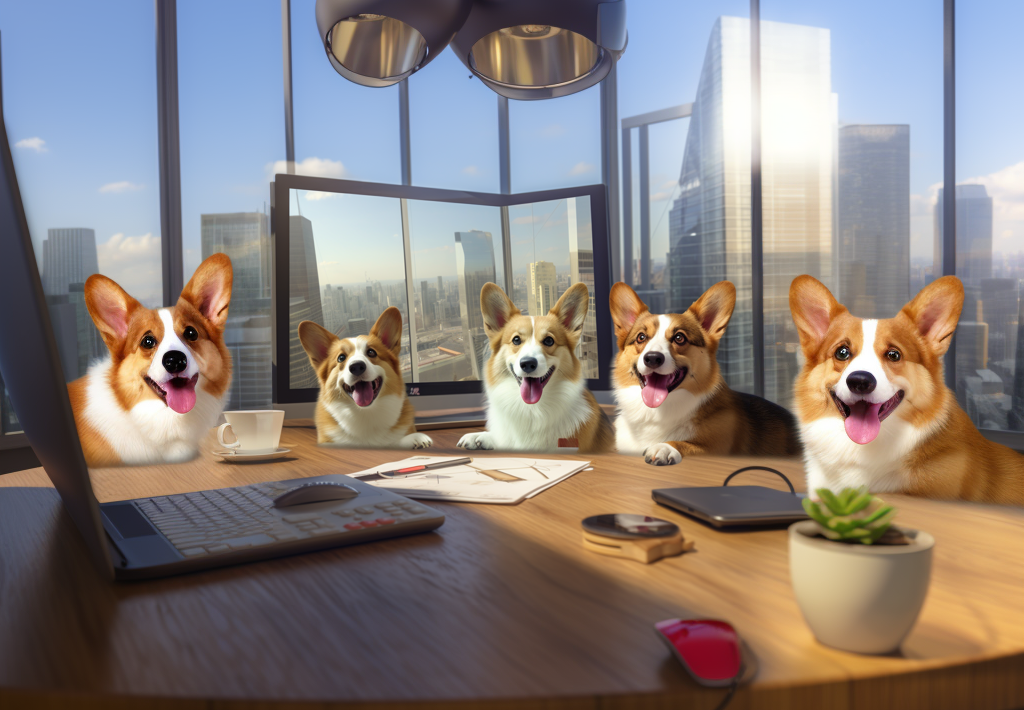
236, 455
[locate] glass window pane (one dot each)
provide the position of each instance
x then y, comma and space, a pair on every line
342, 129
84, 138
347, 264
553, 248
557, 142
456, 249
453, 128
990, 213
851, 159
232, 139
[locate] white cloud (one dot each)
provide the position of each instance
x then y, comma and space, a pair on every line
1006, 188
582, 168
134, 263
34, 143
123, 186
661, 196
471, 170
314, 167
314, 195
555, 130
527, 219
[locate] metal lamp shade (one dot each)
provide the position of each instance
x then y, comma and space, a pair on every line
540, 49
381, 42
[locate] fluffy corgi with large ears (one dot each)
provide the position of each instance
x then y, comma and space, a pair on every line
873, 406
671, 396
362, 400
534, 383
167, 375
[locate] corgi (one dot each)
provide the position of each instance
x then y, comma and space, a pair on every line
672, 400
873, 406
534, 385
362, 401
166, 378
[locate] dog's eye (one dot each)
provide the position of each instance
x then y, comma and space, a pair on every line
679, 338
894, 355
371, 353
148, 341
341, 358
548, 341
191, 333
516, 340
641, 338
843, 353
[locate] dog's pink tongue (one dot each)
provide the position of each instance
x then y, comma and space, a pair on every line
362, 393
530, 389
181, 394
656, 389
863, 424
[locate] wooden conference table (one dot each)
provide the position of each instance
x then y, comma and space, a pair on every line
500, 608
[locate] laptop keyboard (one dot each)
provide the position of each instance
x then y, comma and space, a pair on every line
219, 521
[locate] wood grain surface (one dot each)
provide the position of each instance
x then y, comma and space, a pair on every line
499, 608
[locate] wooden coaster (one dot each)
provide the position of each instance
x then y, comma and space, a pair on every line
642, 550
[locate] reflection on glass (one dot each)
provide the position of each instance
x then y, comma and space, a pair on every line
552, 249
456, 249
346, 265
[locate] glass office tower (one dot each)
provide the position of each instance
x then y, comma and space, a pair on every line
973, 234
303, 297
474, 263
69, 257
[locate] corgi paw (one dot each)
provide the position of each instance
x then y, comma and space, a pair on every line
417, 441
477, 440
662, 455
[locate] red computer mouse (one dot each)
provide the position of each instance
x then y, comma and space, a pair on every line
708, 649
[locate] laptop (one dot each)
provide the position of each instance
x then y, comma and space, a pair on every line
165, 535
734, 506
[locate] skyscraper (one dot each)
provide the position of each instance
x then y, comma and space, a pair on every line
873, 239
1016, 418
426, 306
709, 227
90, 343
303, 298
69, 257
973, 234
245, 238
474, 263
581, 270
543, 287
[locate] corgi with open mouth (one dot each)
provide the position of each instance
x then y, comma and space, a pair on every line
535, 386
362, 401
166, 379
671, 396
873, 406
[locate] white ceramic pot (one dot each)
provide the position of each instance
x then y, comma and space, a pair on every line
855, 597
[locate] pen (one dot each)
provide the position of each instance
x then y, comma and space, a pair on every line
413, 470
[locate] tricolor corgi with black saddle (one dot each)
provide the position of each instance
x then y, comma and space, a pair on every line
166, 379
535, 385
672, 399
873, 406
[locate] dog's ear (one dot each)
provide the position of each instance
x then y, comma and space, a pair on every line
713, 309
814, 308
571, 309
625, 307
496, 308
316, 341
936, 310
388, 329
111, 309
209, 289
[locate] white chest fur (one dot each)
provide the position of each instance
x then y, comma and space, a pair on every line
371, 426
514, 424
638, 426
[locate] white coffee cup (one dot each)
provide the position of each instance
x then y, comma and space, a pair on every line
257, 431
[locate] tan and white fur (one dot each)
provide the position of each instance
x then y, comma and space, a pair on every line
534, 383
166, 378
873, 406
362, 401
671, 396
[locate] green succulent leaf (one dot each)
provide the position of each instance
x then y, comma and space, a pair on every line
851, 514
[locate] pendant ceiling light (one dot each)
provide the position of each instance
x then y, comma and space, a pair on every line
542, 49
380, 42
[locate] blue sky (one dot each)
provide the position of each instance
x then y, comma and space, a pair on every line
84, 126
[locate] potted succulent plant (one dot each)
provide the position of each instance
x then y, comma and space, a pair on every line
859, 580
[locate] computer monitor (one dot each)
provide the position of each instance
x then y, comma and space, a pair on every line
345, 250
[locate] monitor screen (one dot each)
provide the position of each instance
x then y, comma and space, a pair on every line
345, 251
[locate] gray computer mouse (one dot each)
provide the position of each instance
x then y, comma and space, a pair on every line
315, 492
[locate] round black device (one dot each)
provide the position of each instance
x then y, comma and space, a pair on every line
627, 526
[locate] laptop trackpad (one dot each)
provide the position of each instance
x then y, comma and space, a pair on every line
128, 521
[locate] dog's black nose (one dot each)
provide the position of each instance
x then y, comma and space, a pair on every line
861, 382
357, 368
528, 364
654, 360
175, 361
